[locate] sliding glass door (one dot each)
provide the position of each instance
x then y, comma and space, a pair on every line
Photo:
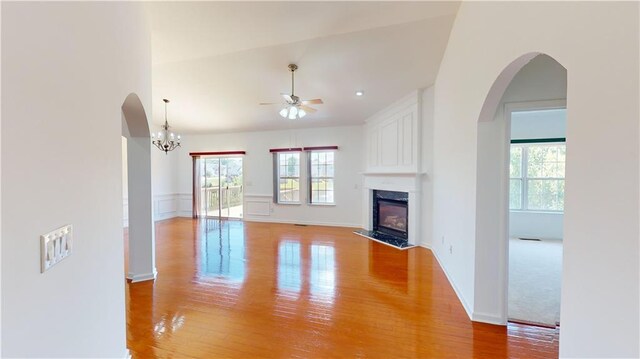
221, 187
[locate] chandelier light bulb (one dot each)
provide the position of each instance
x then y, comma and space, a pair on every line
301, 113
283, 112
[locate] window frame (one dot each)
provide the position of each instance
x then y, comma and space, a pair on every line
310, 177
524, 173
277, 177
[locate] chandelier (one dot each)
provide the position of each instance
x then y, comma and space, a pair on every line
164, 140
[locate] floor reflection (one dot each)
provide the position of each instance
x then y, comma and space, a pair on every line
323, 270
168, 325
222, 250
315, 262
391, 267
289, 268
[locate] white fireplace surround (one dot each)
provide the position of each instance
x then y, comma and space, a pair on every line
393, 143
395, 182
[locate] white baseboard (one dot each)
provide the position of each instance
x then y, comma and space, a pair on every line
464, 303
308, 223
135, 278
488, 318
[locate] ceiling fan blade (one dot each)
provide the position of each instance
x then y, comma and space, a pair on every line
268, 103
315, 101
308, 109
287, 97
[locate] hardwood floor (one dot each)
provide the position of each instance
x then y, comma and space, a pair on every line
248, 290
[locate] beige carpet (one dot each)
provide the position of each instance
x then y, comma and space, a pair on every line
535, 270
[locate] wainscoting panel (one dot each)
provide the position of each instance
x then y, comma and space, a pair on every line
257, 205
184, 205
165, 206
392, 137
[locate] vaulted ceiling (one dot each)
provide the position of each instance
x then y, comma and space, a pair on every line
216, 61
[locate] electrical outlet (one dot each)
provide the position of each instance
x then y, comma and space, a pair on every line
55, 246
451, 249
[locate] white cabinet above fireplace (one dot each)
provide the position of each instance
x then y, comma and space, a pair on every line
393, 138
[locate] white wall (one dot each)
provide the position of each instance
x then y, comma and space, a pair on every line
167, 202
545, 225
427, 167
163, 169
551, 123
258, 172
125, 185
61, 156
164, 177
599, 302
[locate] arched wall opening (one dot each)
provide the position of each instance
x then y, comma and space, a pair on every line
135, 128
492, 191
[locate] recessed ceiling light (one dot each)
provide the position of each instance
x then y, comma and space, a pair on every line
359, 93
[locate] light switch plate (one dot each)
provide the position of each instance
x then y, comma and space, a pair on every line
55, 246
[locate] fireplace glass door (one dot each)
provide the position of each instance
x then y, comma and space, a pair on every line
392, 217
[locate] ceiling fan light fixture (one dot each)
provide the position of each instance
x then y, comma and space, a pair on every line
360, 93
293, 107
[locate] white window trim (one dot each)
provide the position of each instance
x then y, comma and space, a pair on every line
276, 179
524, 194
310, 178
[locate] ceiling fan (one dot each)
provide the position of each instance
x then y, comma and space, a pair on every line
295, 108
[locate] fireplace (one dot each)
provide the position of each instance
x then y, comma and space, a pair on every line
391, 213
392, 209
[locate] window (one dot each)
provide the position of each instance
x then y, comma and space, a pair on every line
537, 177
321, 177
287, 173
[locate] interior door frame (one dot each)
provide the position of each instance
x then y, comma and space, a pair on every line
508, 109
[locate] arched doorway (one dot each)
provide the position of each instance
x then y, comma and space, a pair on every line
135, 128
493, 184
